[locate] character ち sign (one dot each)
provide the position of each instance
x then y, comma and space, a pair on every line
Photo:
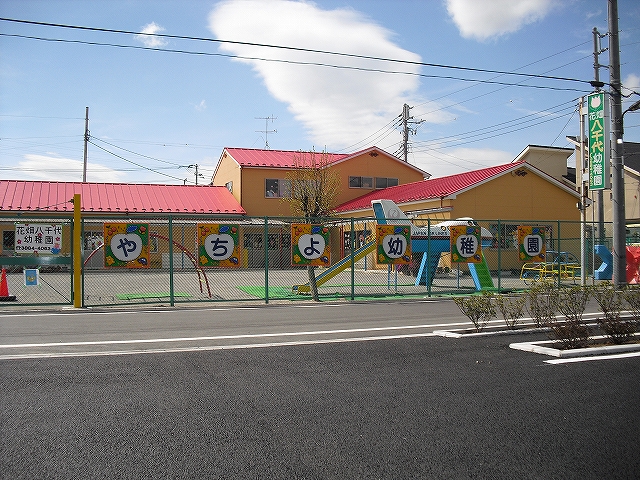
218, 245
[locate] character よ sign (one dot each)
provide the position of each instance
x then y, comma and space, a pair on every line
310, 244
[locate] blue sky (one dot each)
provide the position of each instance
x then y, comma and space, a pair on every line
153, 113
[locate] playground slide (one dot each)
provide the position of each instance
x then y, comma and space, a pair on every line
481, 275
337, 268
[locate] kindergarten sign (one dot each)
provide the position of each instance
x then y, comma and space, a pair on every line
531, 241
465, 244
126, 245
218, 245
38, 237
394, 244
599, 148
310, 244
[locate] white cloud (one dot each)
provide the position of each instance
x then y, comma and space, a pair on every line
201, 106
631, 83
55, 169
338, 107
483, 19
150, 39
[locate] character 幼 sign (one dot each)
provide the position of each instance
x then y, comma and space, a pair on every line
394, 244
532, 243
218, 245
310, 244
126, 245
465, 244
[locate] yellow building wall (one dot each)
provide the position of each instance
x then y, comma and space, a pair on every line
252, 195
229, 171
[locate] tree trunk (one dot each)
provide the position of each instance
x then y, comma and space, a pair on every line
312, 283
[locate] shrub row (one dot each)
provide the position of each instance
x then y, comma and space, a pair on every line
544, 301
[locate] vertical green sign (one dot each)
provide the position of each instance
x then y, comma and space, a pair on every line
599, 148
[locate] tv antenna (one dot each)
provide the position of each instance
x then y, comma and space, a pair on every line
266, 130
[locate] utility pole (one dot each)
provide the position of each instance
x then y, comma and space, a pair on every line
406, 129
86, 141
195, 165
266, 130
617, 151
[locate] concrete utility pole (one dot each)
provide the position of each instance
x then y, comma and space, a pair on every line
195, 165
406, 129
617, 151
86, 141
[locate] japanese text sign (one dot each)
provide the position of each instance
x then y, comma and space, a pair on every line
465, 244
394, 244
38, 237
532, 243
218, 245
310, 244
126, 245
599, 148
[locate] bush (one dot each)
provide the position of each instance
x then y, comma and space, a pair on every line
631, 296
611, 303
478, 308
511, 308
542, 302
572, 332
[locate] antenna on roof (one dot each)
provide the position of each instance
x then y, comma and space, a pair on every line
266, 130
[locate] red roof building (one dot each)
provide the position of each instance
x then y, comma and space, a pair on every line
116, 198
258, 178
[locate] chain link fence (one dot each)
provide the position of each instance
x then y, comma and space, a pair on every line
264, 270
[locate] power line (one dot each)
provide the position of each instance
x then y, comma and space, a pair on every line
297, 49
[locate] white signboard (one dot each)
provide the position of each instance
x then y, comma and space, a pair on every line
38, 237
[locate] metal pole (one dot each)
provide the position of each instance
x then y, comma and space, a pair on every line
77, 252
617, 151
171, 285
583, 208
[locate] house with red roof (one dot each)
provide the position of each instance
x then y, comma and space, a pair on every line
258, 178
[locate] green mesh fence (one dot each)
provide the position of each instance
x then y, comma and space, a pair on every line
263, 269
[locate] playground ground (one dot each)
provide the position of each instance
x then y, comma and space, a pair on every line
127, 287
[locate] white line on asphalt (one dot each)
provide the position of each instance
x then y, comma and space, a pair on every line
208, 348
224, 337
592, 358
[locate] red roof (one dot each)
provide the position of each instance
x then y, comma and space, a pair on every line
249, 157
27, 196
427, 189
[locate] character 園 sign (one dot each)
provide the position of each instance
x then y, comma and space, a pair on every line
38, 237
465, 244
218, 245
126, 245
393, 244
599, 148
310, 244
531, 241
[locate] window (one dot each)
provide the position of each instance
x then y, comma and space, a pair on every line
360, 182
382, 182
277, 188
507, 235
8, 239
229, 186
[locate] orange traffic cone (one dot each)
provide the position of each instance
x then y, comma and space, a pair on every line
4, 289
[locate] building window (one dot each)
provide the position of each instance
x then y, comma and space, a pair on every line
8, 239
382, 182
229, 186
277, 188
360, 182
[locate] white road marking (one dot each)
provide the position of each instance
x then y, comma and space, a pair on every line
592, 358
208, 347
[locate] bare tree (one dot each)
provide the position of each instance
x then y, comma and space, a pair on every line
314, 189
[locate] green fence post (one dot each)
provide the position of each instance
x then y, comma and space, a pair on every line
352, 241
266, 259
171, 293
82, 268
499, 259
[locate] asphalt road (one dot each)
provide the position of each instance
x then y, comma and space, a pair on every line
412, 407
